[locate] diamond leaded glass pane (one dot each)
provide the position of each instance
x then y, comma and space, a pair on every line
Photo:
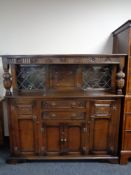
31, 77
96, 77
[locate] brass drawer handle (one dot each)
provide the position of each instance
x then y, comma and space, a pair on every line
73, 104
53, 115
53, 104
74, 115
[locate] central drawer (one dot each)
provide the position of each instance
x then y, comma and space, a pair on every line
63, 115
63, 104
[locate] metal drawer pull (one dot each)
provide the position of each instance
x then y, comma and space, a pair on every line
74, 115
53, 115
53, 104
73, 104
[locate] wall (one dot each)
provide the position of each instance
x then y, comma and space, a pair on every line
59, 27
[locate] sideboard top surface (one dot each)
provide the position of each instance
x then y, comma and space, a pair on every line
62, 55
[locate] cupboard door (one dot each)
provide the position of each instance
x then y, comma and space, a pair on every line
23, 126
63, 138
104, 122
50, 139
77, 138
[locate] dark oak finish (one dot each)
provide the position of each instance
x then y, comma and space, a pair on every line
1, 121
122, 44
65, 106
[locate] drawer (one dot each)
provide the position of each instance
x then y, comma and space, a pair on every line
63, 104
128, 122
24, 109
103, 108
63, 115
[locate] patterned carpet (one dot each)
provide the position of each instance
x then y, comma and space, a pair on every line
62, 168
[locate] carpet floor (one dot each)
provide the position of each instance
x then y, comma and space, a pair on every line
62, 168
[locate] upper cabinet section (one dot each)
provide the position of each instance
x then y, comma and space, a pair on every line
122, 39
67, 73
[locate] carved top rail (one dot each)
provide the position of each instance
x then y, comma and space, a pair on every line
95, 59
63, 59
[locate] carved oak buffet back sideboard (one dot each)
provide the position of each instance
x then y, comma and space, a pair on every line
64, 106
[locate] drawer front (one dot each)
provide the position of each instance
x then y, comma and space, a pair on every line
63, 115
63, 104
24, 109
102, 108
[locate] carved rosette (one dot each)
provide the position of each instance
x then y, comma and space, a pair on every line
120, 81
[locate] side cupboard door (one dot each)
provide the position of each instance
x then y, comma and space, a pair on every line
104, 126
23, 127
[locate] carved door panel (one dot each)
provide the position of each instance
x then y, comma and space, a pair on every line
74, 138
50, 139
23, 126
104, 122
63, 138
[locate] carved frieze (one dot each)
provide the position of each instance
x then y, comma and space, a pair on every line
74, 59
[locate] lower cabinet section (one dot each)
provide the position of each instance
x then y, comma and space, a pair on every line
81, 128
104, 122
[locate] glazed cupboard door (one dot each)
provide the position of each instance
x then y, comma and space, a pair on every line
24, 127
63, 138
104, 125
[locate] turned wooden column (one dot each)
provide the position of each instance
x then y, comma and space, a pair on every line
120, 77
7, 78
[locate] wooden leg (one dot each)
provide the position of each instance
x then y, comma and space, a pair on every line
123, 160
